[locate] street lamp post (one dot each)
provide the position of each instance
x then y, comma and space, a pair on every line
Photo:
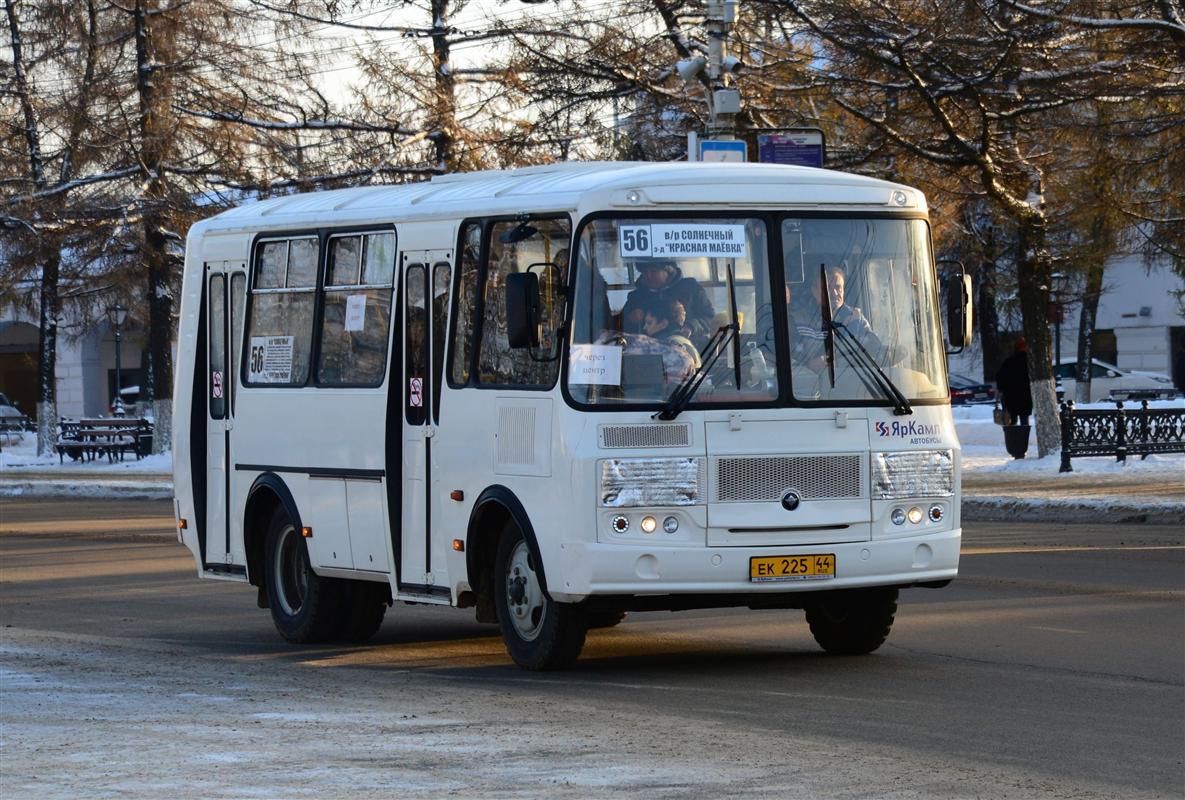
118, 315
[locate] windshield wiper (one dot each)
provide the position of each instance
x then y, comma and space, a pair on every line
690, 385
870, 372
828, 334
726, 336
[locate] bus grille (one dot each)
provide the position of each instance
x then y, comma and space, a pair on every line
678, 435
766, 479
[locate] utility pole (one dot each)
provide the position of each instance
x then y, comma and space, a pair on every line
725, 99
719, 68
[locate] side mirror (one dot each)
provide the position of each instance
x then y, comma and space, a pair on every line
522, 309
958, 309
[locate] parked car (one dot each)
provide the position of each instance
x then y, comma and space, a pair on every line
1109, 382
965, 390
131, 401
12, 419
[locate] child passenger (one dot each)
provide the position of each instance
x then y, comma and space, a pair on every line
664, 320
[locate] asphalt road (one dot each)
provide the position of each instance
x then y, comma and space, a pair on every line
1053, 667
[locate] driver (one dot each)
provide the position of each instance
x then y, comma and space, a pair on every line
809, 343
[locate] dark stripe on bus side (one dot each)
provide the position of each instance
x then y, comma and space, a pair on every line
318, 472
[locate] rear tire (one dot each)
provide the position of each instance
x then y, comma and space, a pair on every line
852, 622
540, 634
305, 606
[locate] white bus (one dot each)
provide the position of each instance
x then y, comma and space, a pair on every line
559, 394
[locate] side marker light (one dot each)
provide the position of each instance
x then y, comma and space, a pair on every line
306, 532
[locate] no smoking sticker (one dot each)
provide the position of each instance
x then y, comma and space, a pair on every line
415, 392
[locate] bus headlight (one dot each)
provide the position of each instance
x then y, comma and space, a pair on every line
633, 482
913, 473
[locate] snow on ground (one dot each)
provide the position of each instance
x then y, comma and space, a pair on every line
20, 454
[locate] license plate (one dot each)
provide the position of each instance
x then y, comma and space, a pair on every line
813, 567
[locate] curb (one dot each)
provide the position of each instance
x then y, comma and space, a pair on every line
1005, 508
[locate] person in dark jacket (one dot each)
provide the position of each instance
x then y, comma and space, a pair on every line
1012, 380
1179, 367
660, 281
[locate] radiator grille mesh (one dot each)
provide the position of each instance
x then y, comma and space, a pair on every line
645, 435
754, 480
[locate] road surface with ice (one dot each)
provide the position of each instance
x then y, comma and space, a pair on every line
1054, 667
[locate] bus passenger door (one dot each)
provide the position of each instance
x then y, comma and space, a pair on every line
225, 295
426, 286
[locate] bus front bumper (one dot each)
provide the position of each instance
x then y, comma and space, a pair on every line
588, 569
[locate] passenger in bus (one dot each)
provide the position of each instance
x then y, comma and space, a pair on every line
662, 280
664, 321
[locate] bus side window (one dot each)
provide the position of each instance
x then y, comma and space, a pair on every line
468, 268
442, 276
283, 296
217, 339
498, 364
357, 311
416, 360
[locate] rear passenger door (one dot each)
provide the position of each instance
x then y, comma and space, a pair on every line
226, 290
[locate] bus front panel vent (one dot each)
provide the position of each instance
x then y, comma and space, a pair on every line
764, 479
644, 436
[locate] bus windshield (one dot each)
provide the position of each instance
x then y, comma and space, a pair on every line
881, 299
651, 292
650, 295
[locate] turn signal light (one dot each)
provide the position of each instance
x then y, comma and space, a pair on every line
458, 545
306, 532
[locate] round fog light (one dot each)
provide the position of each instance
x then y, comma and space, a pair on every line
936, 513
649, 524
914, 515
620, 523
898, 516
670, 524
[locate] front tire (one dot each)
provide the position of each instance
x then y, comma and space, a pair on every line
363, 607
304, 606
540, 634
852, 622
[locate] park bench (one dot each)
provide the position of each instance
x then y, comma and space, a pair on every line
87, 439
1120, 433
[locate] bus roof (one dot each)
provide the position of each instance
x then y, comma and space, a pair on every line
562, 186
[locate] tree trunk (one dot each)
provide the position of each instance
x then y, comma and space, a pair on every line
443, 116
1034, 267
1086, 322
153, 145
47, 390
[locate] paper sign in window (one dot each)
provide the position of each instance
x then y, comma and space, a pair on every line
355, 312
594, 364
270, 359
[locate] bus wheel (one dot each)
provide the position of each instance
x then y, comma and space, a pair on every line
304, 605
540, 634
852, 622
604, 619
363, 606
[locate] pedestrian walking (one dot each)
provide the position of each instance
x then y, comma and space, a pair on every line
1012, 381
1179, 366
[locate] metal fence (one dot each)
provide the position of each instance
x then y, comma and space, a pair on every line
1122, 432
